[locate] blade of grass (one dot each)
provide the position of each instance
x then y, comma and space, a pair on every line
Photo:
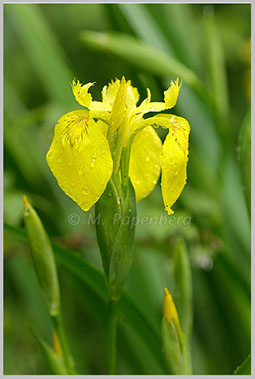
144, 26
217, 70
177, 21
144, 56
130, 311
43, 50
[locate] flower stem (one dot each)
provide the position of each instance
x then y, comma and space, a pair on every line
112, 334
59, 327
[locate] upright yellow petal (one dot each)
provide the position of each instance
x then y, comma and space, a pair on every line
171, 95
132, 96
144, 168
170, 99
109, 92
174, 160
80, 158
118, 113
81, 93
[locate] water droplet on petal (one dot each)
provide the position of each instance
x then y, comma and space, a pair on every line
85, 190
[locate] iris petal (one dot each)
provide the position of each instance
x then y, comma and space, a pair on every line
80, 158
144, 169
170, 99
174, 158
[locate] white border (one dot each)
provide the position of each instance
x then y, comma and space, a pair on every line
252, 184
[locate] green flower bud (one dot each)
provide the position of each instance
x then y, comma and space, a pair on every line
43, 258
115, 214
183, 286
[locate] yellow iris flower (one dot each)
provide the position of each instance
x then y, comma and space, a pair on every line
89, 144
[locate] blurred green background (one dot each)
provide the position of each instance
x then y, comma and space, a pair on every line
46, 46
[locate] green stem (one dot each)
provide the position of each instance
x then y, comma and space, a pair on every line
112, 334
59, 327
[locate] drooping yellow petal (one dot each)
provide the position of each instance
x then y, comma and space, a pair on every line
174, 158
80, 158
144, 168
81, 93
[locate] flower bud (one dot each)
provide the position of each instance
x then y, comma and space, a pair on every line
115, 230
174, 342
43, 258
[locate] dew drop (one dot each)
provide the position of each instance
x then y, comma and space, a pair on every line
26, 211
85, 190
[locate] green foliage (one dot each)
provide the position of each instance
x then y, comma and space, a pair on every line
48, 45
